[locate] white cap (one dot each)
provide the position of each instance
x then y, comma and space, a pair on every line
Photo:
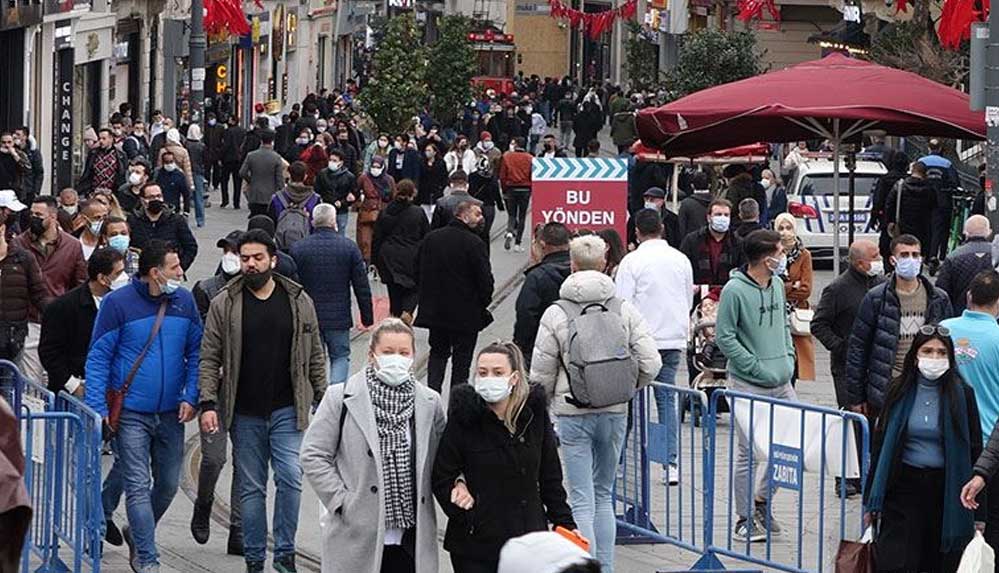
540, 552
9, 200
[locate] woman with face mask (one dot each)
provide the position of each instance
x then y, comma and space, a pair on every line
377, 189
798, 280
497, 474
368, 455
927, 439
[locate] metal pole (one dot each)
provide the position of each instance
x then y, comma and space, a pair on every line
851, 186
836, 142
992, 105
197, 49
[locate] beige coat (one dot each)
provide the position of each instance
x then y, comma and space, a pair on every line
348, 478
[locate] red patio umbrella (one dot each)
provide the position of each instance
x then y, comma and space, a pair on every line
836, 98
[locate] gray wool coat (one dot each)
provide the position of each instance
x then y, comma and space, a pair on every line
349, 483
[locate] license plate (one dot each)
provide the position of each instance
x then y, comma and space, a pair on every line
844, 217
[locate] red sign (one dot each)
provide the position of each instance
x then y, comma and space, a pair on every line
592, 205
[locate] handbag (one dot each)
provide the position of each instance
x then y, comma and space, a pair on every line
801, 321
116, 397
856, 556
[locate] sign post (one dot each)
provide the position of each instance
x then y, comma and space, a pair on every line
588, 193
62, 137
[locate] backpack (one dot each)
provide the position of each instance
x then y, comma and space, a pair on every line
602, 370
293, 223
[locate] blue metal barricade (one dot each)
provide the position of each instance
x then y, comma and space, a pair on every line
648, 509
801, 447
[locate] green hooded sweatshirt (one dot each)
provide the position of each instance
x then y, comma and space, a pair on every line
753, 332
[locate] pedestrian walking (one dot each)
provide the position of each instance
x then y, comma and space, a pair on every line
232, 162
285, 263
104, 167
497, 473
740, 186
117, 235
182, 159
291, 208
92, 234
655, 199
330, 265
129, 195
214, 151
798, 279
263, 367
368, 455
158, 221
776, 196
910, 208
586, 125
403, 161
888, 320
434, 174
229, 266
483, 185
542, 283
173, 183
23, 287
29, 147
943, 179
591, 438
515, 177
714, 251
376, 190
964, 263
566, 113
753, 333
455, 282
834, 317
653, 268
460, 156
197, 152
898, 169
263, 171
454, 195
692, 215
925, 445
146, 344
399, 231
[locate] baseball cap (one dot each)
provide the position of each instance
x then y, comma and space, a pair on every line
486, 136
540, 552
8, 199
229, 240
655, 193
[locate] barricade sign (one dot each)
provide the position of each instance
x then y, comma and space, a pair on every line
786, 466
586, 193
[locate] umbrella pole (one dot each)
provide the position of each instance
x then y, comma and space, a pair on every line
836, 238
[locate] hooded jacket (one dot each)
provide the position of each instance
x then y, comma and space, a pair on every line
742, 187
753, 332
693, 213
551, 346
296, 194
516, 480
541, 288
914, 208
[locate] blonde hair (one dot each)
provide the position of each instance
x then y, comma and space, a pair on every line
588, 253
785, 218
391, 326
518, 396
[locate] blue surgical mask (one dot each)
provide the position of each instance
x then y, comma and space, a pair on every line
119, 243
780, 266
908, 268
170, 287
720, 223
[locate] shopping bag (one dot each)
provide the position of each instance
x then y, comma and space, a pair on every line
978, 557
856, 556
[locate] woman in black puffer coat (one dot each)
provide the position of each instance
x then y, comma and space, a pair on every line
399, 230
497, 474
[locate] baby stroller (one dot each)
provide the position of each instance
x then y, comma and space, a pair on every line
706, 364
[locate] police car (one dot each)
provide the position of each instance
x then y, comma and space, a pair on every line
810, 200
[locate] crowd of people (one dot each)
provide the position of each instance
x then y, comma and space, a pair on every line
95, 304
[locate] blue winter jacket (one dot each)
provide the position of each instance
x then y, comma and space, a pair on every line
330, 265
874, 339
168, 374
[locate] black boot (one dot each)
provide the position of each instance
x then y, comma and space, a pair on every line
113, 534
200, 521
235, 546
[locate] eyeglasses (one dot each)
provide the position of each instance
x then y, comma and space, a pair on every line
931, 329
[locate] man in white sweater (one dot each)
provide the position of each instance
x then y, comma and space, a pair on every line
659, 281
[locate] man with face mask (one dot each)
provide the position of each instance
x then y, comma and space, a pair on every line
714, 251
69, 217
15, 167
156, 220
655, 199
260, 376
455, 288
445, 210
486, 148
338, 187
753, 332
129, 195
106, 166
888, 319
152, 311
28, 146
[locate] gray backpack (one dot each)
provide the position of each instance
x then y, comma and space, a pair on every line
602, 370
293, 223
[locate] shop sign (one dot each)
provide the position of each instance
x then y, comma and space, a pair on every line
278, 33
62, 138
291, 30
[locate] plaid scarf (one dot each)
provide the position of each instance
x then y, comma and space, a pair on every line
394, 408
105, 169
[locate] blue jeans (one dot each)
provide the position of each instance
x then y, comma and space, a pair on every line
113, 488
666, 400
342, 220
199, 199
338, 348
257, 441
591, 449
144, 442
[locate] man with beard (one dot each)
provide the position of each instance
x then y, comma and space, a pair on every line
155, 220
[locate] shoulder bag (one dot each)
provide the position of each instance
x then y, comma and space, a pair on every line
116, 397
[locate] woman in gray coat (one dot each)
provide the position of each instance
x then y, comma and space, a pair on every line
368, 454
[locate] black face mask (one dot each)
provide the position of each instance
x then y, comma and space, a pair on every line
37, 226
155, 206
255, 281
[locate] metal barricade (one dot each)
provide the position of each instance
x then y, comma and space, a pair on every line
801, 445
648, 509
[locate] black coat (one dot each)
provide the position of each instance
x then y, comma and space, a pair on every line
836, 312
334, 187
960, 268
433, 180
67, 324
743, 187
170, 227
915, 210
671, 229
232, 144
541, 288
695, 247
399, 230
516, 481
694, 213
455, 280
874, 340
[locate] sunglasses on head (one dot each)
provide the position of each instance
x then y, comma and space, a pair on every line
931, 329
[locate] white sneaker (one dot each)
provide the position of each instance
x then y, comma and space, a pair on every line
671, 475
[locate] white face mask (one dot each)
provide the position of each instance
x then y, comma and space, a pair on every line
933, 368
70, 209
487, 145
119, 282
651, 205
335, 165
493, 389
170, 166
230, 263
877, 269
134, 178
393, 369
376, 171
720, 223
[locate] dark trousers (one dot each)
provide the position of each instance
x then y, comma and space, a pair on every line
445, 344
230, 172
258, 209
395, 559
941, 233
517, 203
992, 525
462, 564
401, 299
911, 523
489, 214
